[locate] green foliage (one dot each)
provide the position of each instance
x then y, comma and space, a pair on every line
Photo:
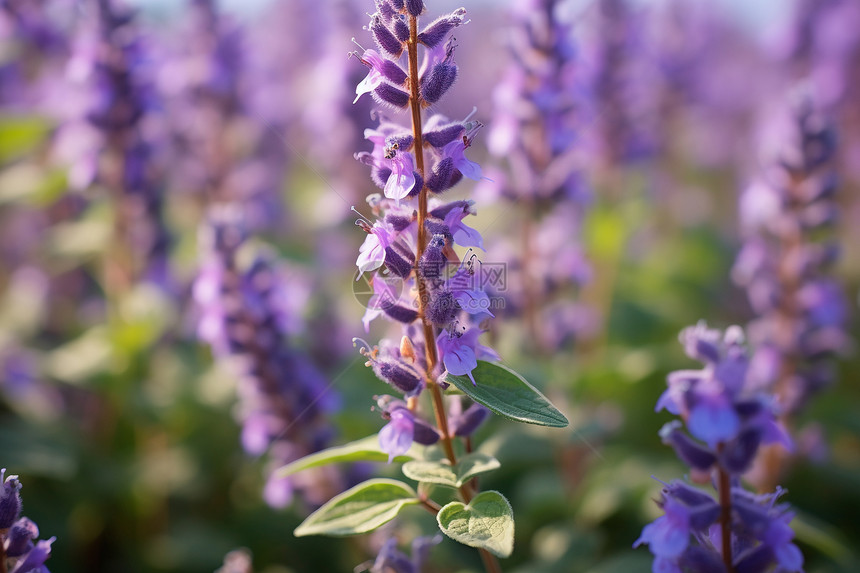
441, 472
487, 522
508, 394
360, 509
363, 450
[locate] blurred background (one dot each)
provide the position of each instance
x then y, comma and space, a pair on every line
152, 153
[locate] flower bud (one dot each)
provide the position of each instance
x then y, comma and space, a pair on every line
388, 94
442, 309
438, 81
433, 260
436, 31
385, 38
401, 313
10, 499
401, 377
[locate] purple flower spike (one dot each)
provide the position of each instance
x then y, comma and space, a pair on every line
788, 215
725, 407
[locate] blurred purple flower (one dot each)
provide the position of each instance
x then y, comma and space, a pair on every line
783, 264
284, 399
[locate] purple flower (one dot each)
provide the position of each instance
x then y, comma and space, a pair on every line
460, 351
456, 151
17, 535
283, 399
392, 560
10, 499
402, 179
669, 535
724, 406
464, 235
395, 438
381, 69
372, 251
788, 216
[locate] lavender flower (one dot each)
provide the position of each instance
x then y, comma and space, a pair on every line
115, 147
390, 559
20, 549
413, 232
727, 416
622, 94
30, 30
538, 116
226, 143
247, 319
783, 264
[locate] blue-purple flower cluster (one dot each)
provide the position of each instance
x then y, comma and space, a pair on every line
788, 216
247, 314
419, 280
109, 59
538, 115
727, 415
624, 100
21, 551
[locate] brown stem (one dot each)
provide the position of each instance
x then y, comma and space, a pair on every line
490, 562
429, 335
430, 505
2, 556
726, 518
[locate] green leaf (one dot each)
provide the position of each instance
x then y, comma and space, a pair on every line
486, 523
475, 464
508, 394
431, 472
360, 509
363, 450
441, 472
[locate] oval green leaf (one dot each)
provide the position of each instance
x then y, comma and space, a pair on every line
363, 450
508, 394
440, 473
475, 464
360, 509
487, 522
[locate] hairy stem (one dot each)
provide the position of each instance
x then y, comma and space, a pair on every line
491, 564
429, 335
726, 518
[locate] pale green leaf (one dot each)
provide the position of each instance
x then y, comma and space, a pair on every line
441, 473
360, 509
487, 522
363, 450
475, 464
